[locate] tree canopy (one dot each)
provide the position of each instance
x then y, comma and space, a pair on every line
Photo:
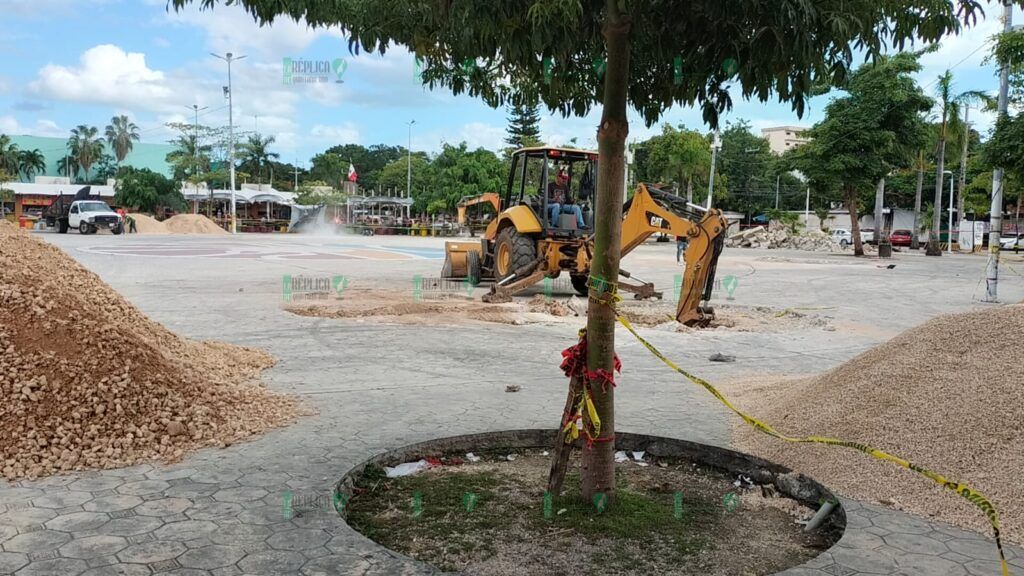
145, 190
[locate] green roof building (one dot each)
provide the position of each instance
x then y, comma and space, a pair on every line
143, 154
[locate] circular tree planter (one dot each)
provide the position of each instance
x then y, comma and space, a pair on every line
396, 512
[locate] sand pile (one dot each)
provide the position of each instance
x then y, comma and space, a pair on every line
145, 224
946, 395
88, 381
192, 224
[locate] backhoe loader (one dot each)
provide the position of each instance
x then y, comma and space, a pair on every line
531, 238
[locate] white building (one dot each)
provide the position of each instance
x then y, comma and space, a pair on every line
783, 138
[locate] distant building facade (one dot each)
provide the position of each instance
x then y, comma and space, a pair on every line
783, 138
143, 154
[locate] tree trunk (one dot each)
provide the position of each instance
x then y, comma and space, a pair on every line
915, 241
880, 212
851, 207
940, 166
598, 468
689, 189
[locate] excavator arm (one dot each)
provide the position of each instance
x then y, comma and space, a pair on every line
652, 211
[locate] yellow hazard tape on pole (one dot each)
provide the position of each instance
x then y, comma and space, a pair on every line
972, 496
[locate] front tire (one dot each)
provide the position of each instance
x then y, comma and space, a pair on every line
83, 228
473, 267
512, 252
117, 229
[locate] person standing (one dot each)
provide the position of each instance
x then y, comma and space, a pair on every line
681, 243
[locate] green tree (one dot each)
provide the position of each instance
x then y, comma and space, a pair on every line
10, 159
866, 134
85, 147
950, 126
146, 191
121, 134
68, 167
394, 176
457, 172
523, 126
330, 168
31, 162
367, 161
747, 169
548, 53
256, 158
681, 157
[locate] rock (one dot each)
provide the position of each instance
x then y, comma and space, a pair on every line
719, 357
175, 428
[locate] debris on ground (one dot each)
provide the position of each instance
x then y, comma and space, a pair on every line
513, 388
87, 381
719, 357
192, 224
945, 395
472, 457
406, 469
548, 305
781, 237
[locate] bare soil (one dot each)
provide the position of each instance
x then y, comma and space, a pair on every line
455, 307
502, 528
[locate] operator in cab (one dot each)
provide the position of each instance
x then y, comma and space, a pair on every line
560, 201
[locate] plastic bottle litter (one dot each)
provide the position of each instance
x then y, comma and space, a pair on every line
406, 469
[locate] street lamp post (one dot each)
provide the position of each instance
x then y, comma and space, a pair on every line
231, 135
716, 144
408, 174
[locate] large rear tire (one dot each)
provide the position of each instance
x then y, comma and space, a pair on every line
512, 252
62, 226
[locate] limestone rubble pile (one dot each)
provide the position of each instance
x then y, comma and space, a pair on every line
780, 237
88, 381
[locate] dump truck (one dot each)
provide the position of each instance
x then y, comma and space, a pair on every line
85, 212
537, 233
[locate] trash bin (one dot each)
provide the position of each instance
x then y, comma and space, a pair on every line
885, 250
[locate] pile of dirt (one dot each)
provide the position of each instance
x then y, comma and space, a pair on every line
946, 395
192, 224
145, 224
88, 381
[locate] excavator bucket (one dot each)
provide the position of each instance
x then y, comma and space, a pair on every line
462, 259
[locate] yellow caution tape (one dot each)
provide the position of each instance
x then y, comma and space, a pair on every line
972, 496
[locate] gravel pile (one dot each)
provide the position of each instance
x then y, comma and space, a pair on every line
947, 395
146, 224
192, 224
88, 381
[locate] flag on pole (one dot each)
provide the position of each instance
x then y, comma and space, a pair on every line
352, 176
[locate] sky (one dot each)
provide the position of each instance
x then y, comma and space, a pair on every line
71, 62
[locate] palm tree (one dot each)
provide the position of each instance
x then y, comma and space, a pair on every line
68, 166
85, 146
255, 155
120, 133
8, 155
951, 127
31, 162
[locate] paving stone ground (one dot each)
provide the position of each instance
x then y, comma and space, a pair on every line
375, 387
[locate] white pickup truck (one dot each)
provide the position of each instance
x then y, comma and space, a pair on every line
88, 216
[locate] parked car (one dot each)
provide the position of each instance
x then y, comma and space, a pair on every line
900, 237
843, 236
1011, 242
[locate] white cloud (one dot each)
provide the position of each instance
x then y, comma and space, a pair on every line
231, 29
161, 42
42, 127
106, 74
346, 133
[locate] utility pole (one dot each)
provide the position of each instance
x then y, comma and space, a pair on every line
949, 239
880, 211
295, 187
231, 136
963, 167
778, 181
408, 175
195, 149
996, 218
807, 209
715, 145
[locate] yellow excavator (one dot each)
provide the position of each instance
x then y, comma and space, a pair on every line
471, 223
530, 239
